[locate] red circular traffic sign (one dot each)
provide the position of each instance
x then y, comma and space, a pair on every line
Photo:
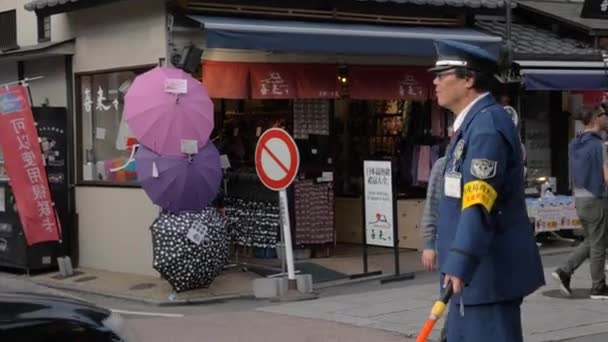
276, 159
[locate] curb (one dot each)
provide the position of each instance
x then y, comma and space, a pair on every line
166, 303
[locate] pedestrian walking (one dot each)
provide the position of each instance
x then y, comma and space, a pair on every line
589, 174
485, 247
430, 217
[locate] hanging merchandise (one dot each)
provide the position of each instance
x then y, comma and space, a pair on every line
190, 249
310, 117
314, 213
252, 223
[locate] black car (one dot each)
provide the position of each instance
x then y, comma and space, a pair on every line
46, 318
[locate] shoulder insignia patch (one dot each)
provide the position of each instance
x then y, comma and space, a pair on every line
483, 168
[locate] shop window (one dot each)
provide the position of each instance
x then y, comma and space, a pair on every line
106, 140
413, 134
536, 126
44, 28
8, 30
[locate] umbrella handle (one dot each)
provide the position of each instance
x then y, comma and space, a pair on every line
131, 158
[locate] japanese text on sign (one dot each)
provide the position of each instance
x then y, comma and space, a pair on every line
378, 203
25, 166
32, 170
101, 101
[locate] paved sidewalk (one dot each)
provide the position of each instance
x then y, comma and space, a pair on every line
404, 310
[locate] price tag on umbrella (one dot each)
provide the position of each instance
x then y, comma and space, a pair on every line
176, 86
197, 232
189, 146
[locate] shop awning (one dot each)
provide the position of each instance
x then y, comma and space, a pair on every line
563, 79
39, 51
335, 38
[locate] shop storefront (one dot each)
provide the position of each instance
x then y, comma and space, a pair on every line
346, 93
550, 108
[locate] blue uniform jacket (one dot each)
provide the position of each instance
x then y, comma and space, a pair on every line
485, 237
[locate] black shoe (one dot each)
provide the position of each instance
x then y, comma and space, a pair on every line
601, 293
564, 281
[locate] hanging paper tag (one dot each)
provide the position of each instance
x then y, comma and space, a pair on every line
189, 146
225, 161
258, 131
197, 232
154, 170
176, 86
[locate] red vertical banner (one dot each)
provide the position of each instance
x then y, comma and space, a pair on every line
24, 166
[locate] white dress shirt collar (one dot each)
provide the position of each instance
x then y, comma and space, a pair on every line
460, 118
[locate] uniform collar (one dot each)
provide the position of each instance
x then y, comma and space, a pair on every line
460, 118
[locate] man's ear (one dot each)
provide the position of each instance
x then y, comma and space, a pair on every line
469, 82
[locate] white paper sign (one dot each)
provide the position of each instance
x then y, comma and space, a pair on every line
225, 161
189, 146
176, 86
378, 203
197, 233
100, 133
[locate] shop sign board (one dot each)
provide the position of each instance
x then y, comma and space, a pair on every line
379, 211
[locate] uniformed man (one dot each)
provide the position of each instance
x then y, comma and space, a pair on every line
486, 248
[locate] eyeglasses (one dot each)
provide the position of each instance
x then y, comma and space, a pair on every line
442, 75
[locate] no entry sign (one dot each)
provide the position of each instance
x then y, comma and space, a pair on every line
276, 159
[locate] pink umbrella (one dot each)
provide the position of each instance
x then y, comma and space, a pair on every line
169, 111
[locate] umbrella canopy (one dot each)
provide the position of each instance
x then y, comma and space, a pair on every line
180, 183
183, 263
166, 108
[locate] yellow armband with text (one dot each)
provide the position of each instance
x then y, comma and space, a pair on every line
479, 192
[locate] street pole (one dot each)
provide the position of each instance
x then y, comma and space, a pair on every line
508, 33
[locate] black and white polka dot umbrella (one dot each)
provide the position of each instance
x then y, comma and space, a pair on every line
190, 249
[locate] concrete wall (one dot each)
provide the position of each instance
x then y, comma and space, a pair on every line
53, 86
114, 222
114, 229
121, 34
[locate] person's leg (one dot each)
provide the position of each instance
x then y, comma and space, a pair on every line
497, 322
595, 220
586, 213
564, 273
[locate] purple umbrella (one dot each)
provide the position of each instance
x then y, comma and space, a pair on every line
180, 183
165, 106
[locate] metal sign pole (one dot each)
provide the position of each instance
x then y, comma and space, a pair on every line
284, 210
398, 276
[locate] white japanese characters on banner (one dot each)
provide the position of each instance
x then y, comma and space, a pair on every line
410, 87
33, 170
274, 85
378, 203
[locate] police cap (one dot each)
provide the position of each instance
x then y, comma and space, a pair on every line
453, 54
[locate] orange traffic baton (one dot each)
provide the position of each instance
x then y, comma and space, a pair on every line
436, 312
